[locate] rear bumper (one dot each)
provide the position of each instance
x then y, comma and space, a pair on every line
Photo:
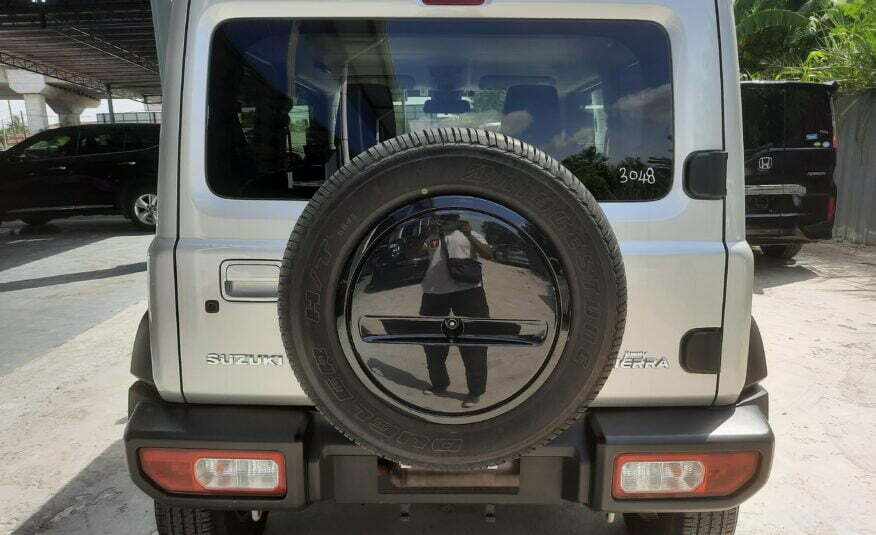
783, 219
323, 465
772, 229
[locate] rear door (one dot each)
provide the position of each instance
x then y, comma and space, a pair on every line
810, 158
789, 160
616, 91
100, 165
763, 114
766, 162
41, 177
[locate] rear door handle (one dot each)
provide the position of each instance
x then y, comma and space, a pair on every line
59, 168
127, 163
249, 280
705, 174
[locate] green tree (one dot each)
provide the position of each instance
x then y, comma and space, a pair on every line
776, 30
845, 50
491, 100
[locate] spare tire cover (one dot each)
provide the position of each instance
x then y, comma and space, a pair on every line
452, 299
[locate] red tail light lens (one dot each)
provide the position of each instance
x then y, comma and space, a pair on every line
215, 471
677, 475
831, 208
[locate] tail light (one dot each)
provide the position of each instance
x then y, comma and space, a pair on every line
831, 208
835, 142
189, 471
677, 475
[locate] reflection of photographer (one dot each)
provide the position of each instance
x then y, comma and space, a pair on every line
454, 284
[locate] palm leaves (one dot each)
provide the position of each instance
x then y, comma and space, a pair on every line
762, 19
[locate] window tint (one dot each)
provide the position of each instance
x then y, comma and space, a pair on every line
53, 145
808, 120
763, 111
141, 138
291, 101
94, 141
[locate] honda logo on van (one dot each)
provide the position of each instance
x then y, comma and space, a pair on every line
765, 163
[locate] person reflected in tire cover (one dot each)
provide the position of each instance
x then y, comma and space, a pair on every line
444, 295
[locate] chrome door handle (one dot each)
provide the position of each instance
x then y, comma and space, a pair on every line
250, 280
127, 163
59, 168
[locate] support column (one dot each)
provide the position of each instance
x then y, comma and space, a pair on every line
35, 108
109, 102
37, 93
69, 119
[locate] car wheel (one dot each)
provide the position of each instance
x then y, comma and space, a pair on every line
709, 523
376, 362
142, 207
186, 521
36, 221
783, 252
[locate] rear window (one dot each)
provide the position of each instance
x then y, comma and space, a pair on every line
763, 115
786, 116
808, 120
290, 101
141, 138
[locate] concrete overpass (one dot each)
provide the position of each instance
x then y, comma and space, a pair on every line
68, 54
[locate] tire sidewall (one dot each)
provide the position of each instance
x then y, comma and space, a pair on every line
316, 261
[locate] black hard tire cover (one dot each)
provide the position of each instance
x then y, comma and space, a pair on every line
450, 162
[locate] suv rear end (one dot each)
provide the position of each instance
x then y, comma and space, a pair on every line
295, 91
790, 155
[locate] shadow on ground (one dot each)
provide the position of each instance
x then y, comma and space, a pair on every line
101, 499
771, 272
21, 244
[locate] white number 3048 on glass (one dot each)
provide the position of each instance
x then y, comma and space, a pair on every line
645, 176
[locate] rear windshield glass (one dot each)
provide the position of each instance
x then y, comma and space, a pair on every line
808, 120
291, 101
763, 116
786, 116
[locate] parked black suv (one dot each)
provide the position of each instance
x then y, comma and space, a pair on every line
78, 170
790, 154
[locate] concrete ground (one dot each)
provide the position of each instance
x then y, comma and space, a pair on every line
69, 305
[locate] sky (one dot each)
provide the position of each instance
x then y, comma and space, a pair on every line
88, 116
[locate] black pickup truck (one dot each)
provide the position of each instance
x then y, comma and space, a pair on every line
790, 154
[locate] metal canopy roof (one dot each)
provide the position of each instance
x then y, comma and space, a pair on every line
90, 43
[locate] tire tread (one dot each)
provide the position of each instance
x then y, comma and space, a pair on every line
524, 153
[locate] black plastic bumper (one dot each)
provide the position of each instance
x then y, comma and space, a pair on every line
321, 464
771, 229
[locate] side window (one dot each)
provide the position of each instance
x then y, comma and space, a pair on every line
763, 112
57, 145
808, 120
99, 142
141, 138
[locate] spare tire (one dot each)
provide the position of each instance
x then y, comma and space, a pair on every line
387, 281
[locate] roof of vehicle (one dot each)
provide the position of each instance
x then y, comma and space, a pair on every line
104, 125
832, 85
119, 125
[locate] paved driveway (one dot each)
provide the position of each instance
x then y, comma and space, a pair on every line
70, 302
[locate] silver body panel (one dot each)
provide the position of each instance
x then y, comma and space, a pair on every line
674, 248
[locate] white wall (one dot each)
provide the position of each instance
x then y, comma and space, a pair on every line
88, 116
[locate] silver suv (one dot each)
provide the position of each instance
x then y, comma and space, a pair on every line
450, 251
